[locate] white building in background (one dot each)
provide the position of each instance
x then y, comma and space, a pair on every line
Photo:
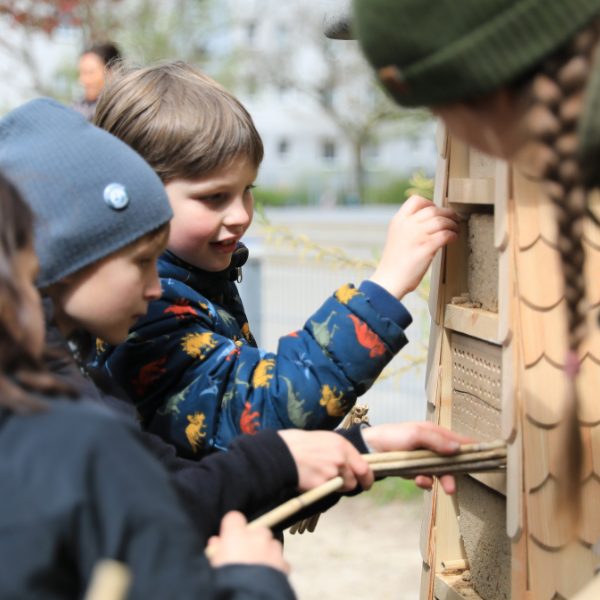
304, 146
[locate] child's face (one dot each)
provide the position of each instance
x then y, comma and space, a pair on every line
212, 213
26, 268
107, 297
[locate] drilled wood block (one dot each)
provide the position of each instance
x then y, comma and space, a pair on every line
476, 387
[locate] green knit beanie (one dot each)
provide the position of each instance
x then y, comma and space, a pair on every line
429, 52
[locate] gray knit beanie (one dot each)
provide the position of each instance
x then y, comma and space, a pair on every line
91, 193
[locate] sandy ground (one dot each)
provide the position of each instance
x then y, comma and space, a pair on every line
361, 550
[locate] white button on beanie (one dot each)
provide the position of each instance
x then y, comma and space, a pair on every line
91, 193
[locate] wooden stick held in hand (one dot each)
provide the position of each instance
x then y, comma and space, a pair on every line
110, 581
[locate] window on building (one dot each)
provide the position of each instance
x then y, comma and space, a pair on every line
283, 91
283, 148
327, 96
328, 151
282, 37
251, 32
371, 152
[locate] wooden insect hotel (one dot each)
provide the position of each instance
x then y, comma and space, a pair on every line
494, 371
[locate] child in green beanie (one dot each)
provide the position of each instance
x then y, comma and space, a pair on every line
520, 80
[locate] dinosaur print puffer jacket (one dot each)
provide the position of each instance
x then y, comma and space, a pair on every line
198, 380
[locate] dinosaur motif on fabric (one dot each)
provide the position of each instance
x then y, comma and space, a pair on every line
206, 308
346, 293
172, 405
234, 353
245, 329
232, 391
181, 308
367, 338
194, 431
298, 416
198, 344
323, 335
293, 334
334, 404
262, 375
227, 318
247, 423
100, 346
148, 375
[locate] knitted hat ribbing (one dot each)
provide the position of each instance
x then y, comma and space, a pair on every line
91, 193
431, 52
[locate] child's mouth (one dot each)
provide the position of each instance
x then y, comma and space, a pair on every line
224, 247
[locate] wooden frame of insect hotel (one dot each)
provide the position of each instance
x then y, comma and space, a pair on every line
495, 371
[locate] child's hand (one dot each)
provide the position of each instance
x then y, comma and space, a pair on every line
410, 436
236, 544
417, 231
323, 455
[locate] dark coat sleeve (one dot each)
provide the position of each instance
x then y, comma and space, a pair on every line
79, 486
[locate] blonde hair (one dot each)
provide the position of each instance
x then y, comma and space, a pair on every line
184, 124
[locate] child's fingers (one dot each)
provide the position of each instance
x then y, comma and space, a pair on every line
413, 205
442, 238
436, 211
424, 482
452, 435
232, 521
356, 470
436, 224
448, 484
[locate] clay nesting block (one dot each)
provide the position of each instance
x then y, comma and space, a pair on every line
482, 266
482, 526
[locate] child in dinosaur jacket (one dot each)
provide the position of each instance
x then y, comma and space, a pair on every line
191, 364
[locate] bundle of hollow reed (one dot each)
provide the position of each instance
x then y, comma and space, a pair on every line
471, 458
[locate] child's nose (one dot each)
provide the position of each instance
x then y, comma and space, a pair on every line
238, 214
153, 291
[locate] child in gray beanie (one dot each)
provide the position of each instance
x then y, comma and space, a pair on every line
78, 485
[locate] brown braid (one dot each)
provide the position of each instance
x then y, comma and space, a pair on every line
557, 93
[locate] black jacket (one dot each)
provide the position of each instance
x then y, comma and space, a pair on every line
256, 474
78, 485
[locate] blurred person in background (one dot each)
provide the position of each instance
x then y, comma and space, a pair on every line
95, 65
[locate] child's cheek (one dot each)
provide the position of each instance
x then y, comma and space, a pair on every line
192, 227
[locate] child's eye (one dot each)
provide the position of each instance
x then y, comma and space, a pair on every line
145, 261
212, 198
249, 189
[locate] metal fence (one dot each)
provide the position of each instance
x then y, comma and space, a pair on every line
281, 292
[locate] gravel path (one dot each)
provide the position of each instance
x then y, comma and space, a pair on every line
360, 550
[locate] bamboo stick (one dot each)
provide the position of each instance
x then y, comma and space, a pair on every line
461, 564
287, 509
414, 454
482, 466
440, 460
110, 581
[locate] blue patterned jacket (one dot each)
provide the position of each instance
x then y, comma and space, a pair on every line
198, 380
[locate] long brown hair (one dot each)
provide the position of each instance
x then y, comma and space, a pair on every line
557, 92
20, 372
